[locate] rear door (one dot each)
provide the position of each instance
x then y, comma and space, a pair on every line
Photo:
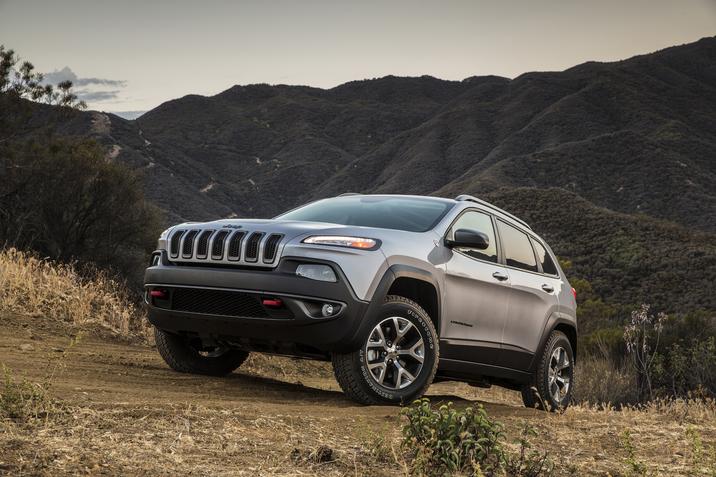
533, 297
477, 291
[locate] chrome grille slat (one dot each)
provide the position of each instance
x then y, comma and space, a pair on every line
175, 243
270, 248
217, 245
202, 247
253, 247
235, 245
196, 244
187, 244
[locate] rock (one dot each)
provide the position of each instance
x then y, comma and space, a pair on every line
26, 347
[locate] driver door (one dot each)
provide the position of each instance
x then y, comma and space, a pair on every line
477, 292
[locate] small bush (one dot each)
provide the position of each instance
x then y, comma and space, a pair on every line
23, 400
446, 441
603, 382
528, 462
635, 467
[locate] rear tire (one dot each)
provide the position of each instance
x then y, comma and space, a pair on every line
553, 382
186, 357
398, 357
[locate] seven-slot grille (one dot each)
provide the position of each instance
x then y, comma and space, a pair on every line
227, 246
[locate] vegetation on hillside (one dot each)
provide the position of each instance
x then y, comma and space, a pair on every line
61, 196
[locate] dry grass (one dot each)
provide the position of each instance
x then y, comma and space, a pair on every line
123, 412
600, 381
41, 288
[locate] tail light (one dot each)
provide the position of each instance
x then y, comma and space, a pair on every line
574, 292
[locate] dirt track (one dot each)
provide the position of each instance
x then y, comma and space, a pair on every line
129, 413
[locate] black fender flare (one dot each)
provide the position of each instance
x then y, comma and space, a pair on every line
381, 291
555, 319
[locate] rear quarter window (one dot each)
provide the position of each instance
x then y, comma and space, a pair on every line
518, 251
544, 258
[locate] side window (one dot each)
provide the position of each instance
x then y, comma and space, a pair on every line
545, 259
482, 223
518, 251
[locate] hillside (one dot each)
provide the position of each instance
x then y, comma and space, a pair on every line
635, 136
614, 163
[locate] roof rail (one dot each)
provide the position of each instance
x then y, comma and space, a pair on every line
346, 194
469, 198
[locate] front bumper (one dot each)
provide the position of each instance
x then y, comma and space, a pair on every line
298, 327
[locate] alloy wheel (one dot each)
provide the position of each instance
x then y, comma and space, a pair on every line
394, 353
560, 374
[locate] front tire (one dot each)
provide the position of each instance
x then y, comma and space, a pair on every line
398, 357
186, 356
553, 382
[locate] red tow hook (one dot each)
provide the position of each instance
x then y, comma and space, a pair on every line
272, 302
161, 294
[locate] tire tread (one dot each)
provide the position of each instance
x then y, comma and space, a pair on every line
349, 377
180, 357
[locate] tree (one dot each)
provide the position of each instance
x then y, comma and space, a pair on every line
60, 196
24, 82
63, 199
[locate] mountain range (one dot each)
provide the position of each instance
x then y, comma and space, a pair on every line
613, 163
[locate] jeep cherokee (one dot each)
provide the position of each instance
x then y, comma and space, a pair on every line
397, 291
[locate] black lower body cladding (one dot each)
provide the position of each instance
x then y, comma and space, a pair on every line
261, 309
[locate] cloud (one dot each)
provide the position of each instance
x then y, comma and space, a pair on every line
90, 90
95, 96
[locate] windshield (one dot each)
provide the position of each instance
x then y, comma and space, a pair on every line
410, 214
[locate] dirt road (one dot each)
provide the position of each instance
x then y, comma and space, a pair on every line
126, 412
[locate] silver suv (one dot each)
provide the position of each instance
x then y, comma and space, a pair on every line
397, 291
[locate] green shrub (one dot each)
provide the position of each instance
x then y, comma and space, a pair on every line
445, 441
23, 400
635, 467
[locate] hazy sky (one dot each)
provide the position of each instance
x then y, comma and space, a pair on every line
133, 55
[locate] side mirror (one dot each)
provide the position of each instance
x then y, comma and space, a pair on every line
468, 238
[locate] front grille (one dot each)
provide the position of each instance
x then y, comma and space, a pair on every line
223, 303
217, 302
200, 245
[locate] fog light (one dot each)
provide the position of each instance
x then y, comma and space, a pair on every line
329, 309
315, 271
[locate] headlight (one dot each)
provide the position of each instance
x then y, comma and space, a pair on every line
339, 241
316, 271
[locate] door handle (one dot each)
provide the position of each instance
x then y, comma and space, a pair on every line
548, 288
500, 276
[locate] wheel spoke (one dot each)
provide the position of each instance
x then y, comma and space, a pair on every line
416, 351
402, 373
400, 332
381, 367
372, 343
559, 374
